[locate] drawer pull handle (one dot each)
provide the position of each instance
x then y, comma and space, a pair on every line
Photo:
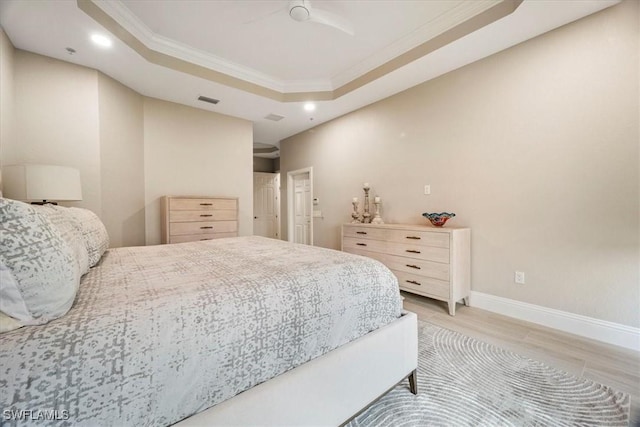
206, 204
414, 237
206, 239
414, 266
412, 251
361, 244
413, 282
361, 232
205, 228
206, 215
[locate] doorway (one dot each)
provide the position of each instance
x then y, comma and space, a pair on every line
266, 204
300, 206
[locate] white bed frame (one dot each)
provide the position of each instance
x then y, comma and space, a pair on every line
328, 390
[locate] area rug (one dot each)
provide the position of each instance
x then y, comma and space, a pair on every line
466, 382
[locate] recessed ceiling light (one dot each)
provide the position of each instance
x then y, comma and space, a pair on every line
309, 106
101, 40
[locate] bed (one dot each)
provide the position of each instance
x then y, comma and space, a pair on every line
237, 331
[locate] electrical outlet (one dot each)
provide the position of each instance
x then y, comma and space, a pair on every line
519, 277
427, 189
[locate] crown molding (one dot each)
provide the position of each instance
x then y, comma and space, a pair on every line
159, 50
130, 22
438, 25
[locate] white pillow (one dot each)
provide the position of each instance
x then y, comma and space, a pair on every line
8, 323
63, 219
45, 275
11, 302
94, 233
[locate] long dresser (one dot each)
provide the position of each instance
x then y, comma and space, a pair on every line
429, 261
188, 219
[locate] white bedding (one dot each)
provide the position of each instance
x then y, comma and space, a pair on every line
159, 333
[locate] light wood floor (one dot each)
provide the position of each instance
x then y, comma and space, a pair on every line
606, 364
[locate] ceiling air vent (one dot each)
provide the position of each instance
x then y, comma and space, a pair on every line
209, 100
274, 117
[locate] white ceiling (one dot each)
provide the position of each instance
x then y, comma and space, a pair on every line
260, 35
257, 42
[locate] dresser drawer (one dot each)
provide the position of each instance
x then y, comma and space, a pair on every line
199, 237
420, 238
423, 285
209, 215
436, 270
427, 253
202, 227
202, 204
364, 232
359, 243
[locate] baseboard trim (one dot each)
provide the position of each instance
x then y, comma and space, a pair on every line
588, 327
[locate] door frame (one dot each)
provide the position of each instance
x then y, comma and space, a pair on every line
291, 198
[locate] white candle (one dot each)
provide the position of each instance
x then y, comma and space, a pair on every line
365, 185
355, 199
376, 199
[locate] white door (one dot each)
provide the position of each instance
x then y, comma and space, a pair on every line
302, 208
266, 204
299, 205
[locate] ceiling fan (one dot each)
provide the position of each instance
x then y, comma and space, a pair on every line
301, 11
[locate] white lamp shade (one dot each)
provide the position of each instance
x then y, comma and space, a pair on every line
41, 182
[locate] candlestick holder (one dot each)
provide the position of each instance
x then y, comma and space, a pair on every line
376, 217
366, 216
355, 214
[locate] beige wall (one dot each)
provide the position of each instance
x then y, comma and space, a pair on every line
535, 148
122, 160
56, 120
195, 152
260, 164
6, 91
69, 115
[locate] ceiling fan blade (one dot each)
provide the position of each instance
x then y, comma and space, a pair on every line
260, 18
332, 20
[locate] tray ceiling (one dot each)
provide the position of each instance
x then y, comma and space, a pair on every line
257, 61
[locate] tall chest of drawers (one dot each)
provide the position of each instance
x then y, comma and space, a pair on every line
429, 261
188, 219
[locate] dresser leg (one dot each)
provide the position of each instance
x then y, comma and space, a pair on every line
452, 308
466, 301
413, 381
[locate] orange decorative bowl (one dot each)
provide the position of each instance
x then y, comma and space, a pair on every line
438, 219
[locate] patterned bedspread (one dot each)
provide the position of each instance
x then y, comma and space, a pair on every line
159, 333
